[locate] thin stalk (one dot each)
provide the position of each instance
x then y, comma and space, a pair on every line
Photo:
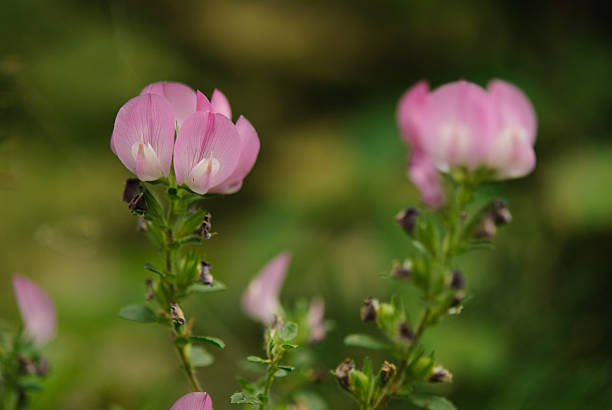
268, 383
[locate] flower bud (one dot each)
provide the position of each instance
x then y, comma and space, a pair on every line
43, 367
406, 332
457, 281
440, 375
177, 314
369, 310
205, 276
131, 189
487, 228
150, 293
343, 372
401, 271
501, 214
26, 365
457, 299
205, 229
407, 219
388, 371
138, 204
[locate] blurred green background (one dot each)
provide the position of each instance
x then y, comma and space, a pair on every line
319, 80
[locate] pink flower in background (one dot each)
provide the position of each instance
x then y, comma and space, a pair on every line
462, 125
260, 301
193, 401
315, 320
37, 310
143, 136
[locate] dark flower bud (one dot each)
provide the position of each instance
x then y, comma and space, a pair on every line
388, 371
487, 228
457, 299
131, 189
406, 332
205, 276
440, 375
501, 214
177, 314
150, 293
26, 365
205, 228
343, 372
407, 219
43, 367
369, 310
457, 281
401, 271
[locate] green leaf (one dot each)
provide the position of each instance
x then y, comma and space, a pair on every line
201, 288
246, 386
244, 398
289, 331
138, 313
255, 359
153, 269
209, 339
280, 373
365, 341
187, 224
288, 346
200, 357
286, 367
427, 401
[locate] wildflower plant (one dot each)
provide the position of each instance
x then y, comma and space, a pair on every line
462, 137
182, 147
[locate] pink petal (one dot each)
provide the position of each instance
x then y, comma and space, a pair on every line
513, 108
193, 401
424, 175
248, 155
411, 112
202, 103
207, 151
511, 155
181, 97
220, 104
260, 300
315, 319
37, 310
458, 126
143, 136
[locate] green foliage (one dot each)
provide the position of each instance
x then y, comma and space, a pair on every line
138, 313
431, 402
210, 340
200, 357
366, 341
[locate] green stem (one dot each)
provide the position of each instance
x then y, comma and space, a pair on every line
189, 370
268, 383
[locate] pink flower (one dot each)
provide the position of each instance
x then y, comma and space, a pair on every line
211, 153
180, 96
143, 136
424, 175
37, 310
193, 401
315, 320
461, 125
260, 300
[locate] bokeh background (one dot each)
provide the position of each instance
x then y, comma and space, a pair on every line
319, 80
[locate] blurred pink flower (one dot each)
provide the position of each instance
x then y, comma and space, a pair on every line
37, 310
422, 172
193, 401
260, 300
462, 125
143, 136
315, 320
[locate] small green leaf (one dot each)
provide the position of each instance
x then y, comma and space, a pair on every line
426, 401
289, 331
244, 398
255, 359
201, 288
187, 224
138, 313
209, 339
286, 367
280, 373
200, 357
246, 386
365, 341
153, 269
288, 346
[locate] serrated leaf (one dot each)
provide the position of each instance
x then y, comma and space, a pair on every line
430, 402
365, 341
244, 398
153, 269
209, 339
201, 288
138, 313
255, 359
289, 332
200, 357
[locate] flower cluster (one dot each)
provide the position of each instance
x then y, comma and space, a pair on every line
211, 153
463, 127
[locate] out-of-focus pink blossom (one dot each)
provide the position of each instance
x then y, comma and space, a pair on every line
315, 320
193, 401
461, 125
143, 136
422, 172
260, 301
37, 310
